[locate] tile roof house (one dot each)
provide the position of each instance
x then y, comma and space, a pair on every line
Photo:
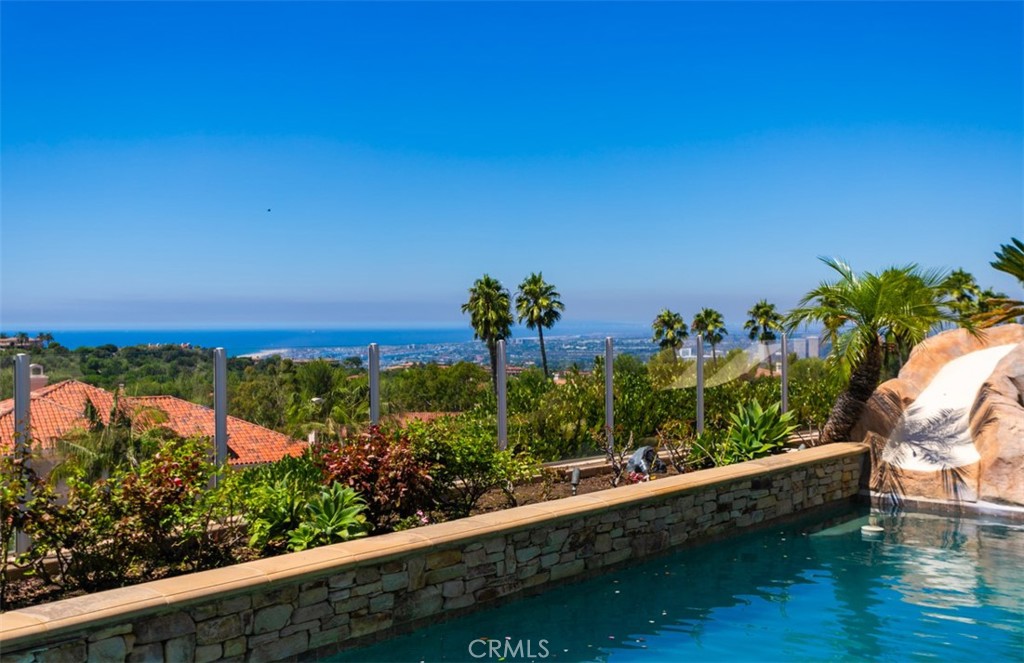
60, 408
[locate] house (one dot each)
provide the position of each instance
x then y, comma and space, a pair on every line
20, 342
59, 409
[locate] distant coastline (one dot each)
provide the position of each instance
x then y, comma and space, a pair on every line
576, 345
263, 342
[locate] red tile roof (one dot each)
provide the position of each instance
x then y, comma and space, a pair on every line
60, 408
404, 418
248, 443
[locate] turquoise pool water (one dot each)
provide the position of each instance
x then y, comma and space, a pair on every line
931, 588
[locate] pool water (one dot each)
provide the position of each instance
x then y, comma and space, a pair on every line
929, 588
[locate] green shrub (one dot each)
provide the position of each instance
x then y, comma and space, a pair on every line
814, 386
275, 506
563, 424
709, 449
17, 479
158, 518
466, 462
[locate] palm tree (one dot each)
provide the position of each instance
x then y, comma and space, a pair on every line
999, 308
538, 303
763, 323
669, 331
95, 451
710, 325
1010, 259
860, 313
961, 287
490, 314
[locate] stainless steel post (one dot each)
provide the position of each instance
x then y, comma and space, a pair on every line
785, 373
609, 393
502, 398
22, 431
220, 406
374, 368
700, 384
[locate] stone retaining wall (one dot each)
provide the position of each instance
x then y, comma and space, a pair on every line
310, 604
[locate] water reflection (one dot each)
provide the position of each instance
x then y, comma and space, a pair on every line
928, 587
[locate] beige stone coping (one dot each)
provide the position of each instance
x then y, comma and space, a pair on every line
129, 603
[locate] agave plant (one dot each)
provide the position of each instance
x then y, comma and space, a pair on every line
333, 516
756, 431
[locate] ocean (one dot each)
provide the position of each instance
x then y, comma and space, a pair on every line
247, 341
250, 341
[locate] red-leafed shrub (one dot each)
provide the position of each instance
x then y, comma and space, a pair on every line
383, 469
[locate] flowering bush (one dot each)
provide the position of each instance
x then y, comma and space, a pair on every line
418, 519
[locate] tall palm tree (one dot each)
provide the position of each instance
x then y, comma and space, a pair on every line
999, 308
490, 314
961, 287
669, 331
860, 313
540, 306
763, 323
1010, 259
710, 325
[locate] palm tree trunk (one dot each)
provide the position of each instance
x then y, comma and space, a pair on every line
543, 353
714, 357
850, 404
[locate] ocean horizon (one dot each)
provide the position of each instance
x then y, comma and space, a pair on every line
243, 341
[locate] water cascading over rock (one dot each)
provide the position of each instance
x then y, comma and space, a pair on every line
951, 426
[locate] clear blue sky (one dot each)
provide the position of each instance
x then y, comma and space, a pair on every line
641, 155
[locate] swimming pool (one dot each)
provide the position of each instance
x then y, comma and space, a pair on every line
930, 587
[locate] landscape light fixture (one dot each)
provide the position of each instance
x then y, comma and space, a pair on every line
575, 481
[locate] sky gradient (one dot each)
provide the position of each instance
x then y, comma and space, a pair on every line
641, 155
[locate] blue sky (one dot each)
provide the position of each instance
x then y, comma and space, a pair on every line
640, 155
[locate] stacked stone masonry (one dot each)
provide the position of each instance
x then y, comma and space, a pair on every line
308, 605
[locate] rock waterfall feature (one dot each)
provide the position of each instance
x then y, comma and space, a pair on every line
951, 426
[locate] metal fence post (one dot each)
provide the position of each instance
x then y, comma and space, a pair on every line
22, 432
502, 397
609, 393
785, 373
220, 407
374, 368
700, 384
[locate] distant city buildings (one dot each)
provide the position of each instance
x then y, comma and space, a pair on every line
562, 351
